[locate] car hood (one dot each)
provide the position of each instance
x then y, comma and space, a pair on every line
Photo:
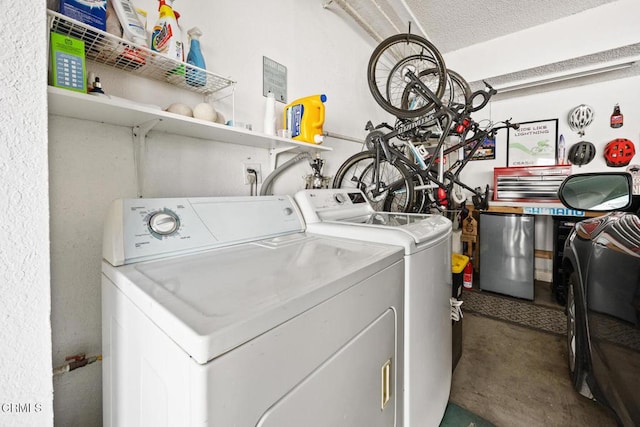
619, 231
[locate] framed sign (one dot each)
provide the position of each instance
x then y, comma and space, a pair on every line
486, 150
533, 144
274, 79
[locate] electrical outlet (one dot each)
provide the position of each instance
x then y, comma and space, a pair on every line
255, 167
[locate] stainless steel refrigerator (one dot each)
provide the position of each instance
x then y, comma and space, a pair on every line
507, 254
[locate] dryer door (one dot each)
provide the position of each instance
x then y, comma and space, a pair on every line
356, 386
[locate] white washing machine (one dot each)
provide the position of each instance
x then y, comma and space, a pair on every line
224, 312
427, 245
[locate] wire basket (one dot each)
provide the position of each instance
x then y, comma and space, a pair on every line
105, 48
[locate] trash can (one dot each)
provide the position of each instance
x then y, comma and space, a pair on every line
458, 264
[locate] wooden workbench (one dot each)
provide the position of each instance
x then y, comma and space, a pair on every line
552, 209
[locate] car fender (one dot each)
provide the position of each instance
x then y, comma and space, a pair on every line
576, 258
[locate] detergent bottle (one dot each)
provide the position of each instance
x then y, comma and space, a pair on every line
166, 37
304, 117
195, 77
132, 28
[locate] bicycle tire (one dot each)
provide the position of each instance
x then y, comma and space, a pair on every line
460, 91
457, 95
410, 63
358, 172
457, 92
388, 65
430, 201
420, 196
411, 100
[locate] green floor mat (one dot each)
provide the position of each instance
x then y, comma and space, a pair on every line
455, 416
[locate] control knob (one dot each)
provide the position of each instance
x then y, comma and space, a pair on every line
164, 222
340, 198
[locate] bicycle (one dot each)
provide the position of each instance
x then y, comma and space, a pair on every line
396, 182
391, 179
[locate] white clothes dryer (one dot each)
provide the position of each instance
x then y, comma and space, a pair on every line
224, 312
426, 240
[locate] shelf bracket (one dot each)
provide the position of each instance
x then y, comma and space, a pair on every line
273, 156
139, 134
210, 99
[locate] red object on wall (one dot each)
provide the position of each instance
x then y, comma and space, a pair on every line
619, 152
529, 183
617, 117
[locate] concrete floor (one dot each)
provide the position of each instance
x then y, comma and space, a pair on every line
517, 376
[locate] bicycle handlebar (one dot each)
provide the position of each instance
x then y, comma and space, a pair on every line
486, 95
507, 125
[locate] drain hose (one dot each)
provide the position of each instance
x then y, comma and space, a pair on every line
265, 190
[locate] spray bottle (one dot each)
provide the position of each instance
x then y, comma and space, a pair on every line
304, 117
166, 37
195, 77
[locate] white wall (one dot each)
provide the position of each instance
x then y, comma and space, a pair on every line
557, 104
609, 26
25, 334
92, 164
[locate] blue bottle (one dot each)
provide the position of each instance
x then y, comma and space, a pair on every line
194, 76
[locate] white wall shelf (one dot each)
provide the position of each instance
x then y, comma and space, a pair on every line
119, 112
128, 57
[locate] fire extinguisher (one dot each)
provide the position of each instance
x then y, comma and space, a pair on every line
467, 276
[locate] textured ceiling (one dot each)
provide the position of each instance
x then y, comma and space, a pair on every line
451, 26
454, 25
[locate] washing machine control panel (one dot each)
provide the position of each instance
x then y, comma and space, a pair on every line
139, 229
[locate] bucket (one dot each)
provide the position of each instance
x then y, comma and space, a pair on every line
304, 117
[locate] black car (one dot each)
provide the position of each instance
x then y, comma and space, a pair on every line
601, 269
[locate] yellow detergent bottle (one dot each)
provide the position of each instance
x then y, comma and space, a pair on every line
304, 117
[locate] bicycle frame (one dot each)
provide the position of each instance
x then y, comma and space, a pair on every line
445, 179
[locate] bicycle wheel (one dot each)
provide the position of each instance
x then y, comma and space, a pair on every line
419, 196
411, 99
395, 190
456, 96
429, 77
389, 64
459, 90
